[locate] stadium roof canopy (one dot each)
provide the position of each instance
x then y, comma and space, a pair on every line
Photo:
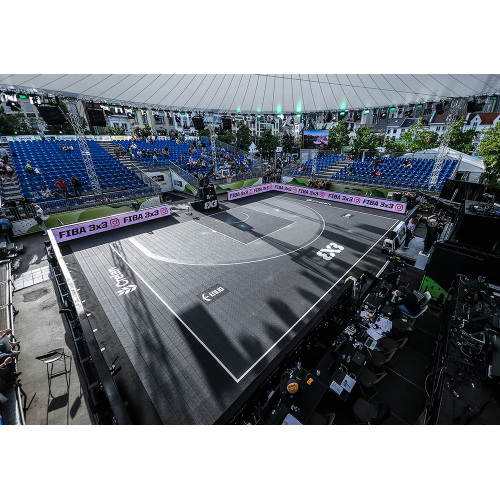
254, 93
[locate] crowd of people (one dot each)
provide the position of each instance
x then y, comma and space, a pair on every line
8, 373
318, 184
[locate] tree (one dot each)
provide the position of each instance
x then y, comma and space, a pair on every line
142, 132
461, 140
267, 144
114, 130
225, 136
418, 138
489, 149
338, 136
366, 138
243, 137
392, 146
204, 133
16, 123
288, 143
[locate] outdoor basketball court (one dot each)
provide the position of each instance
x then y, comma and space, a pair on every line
196, 307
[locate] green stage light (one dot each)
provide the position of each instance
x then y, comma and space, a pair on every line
111, 107
22, 96
494, 97
419, 105
367, 111
392, 109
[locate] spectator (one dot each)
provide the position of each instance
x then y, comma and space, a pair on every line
70, 148
63, 147
116, 150
155, 159
373, 172
10, 203
8, 170
6, 341
62, 187
350, 170
42, 135
6, 228
4, 155
77, 186
45, 192
40, 218
8, 376
29, 168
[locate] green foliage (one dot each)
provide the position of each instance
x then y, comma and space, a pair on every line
267, 144
392, 146
489, 149
462, 140
16, 123
288, 143
142, 132
225, 136
204, 133
418, 138
243, 137
338, 136
366, 138
114, 130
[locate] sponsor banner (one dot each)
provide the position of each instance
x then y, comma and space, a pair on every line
162, 137
101, 138
351, 199
79, 230
90, 138
119, 137
180, 184
242, 193
24, 138
164, 179
67, 137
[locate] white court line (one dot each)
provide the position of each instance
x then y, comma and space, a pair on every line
160, 258
314, 305
174, 313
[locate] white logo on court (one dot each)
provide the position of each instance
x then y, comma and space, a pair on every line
330, 251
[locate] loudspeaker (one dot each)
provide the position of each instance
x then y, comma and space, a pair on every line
198, 122
462, 190
96, 117
208, 199
439, 108
476, 228
52, 115
226, 123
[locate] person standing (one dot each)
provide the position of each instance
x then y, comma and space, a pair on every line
432, 234
63, 187
410, 230
40, 218
77, 186
29, 168
116, 150
6, 228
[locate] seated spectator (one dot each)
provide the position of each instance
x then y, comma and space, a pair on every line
373, 172
10, 203
8, 375
8, 170
7, 342
350, 170
379, 173
69, 148
29, 168
63, 147
45, 192
24, 202
62, 187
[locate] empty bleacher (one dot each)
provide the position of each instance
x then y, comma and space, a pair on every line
52, 163
322, 164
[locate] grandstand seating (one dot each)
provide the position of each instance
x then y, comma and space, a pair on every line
54, 164
395, 175
176, 153
323, 162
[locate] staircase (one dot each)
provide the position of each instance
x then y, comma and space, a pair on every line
140, 168
137, 167
332, 170
11, 188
